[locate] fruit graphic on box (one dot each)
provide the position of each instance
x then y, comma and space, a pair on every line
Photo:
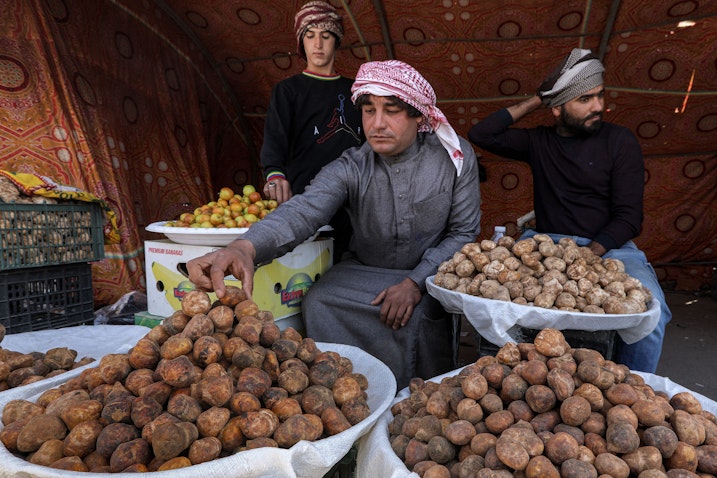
279, 286
175, 285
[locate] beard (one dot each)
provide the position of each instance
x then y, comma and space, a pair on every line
575, 126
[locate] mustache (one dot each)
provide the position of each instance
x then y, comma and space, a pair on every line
594, 115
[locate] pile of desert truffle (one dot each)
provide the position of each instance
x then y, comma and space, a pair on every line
212, 380
18, 368
545, 410
537, 271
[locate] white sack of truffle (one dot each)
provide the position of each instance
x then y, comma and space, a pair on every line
567, 286
377, 451
536, 271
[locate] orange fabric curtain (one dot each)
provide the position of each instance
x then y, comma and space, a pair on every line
93, 98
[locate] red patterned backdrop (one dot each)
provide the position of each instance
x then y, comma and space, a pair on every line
156, 105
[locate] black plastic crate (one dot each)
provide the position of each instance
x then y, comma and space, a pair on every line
38, 235
50, 297
601, 340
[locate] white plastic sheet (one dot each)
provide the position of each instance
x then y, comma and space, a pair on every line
377, 458
305, 459
493, 319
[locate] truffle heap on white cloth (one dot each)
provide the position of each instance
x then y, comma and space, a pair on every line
377, 458
305, 459
94, 341
493, 319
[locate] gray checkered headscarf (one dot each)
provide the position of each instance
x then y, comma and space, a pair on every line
581, 71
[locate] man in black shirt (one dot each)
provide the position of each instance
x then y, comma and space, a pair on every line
588, 178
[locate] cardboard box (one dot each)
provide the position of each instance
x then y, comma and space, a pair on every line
278, 286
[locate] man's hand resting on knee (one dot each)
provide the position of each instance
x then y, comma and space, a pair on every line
397, 303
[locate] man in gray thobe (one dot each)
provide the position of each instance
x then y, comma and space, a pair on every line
413, 196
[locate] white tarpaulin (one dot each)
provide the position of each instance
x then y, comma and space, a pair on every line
377, 458
305, 459
493, 319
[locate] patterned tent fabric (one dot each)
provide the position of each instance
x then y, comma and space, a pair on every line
154, 106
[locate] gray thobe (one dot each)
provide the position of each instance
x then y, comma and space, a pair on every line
409, 213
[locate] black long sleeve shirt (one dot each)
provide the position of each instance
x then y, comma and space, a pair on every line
585, 186
310, 122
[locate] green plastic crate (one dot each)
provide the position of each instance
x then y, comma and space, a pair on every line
147, 319
36, 235
49, 297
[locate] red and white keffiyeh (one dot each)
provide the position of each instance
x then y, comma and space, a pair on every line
399, 79
317, 14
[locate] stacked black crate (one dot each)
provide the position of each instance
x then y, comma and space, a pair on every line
45, 270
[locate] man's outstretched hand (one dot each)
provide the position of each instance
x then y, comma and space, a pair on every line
208, 271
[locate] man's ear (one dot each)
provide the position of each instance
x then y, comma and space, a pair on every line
556, 111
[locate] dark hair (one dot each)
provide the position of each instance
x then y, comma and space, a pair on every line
410, 110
